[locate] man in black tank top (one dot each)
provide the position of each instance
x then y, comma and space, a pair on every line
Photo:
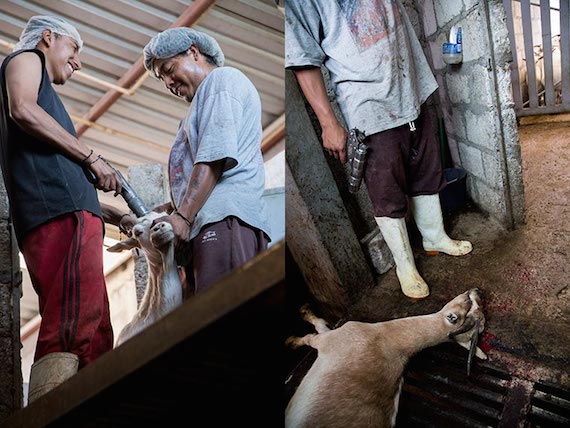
55, 211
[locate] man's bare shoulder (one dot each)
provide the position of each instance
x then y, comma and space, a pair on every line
25, 62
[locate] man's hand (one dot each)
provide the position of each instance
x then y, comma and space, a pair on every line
180, 228
127, 223
107, 179
313, 86
334, 141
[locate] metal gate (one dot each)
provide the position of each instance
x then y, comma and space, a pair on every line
539, 32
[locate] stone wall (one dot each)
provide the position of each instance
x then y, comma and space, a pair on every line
476, 103
150, 184
11, 396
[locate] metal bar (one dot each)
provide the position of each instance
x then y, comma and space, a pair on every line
188, 18
529, 53
119, 134
565, 51
459, 384
547, 52
547, 418
515, 78
538, 2
560, 108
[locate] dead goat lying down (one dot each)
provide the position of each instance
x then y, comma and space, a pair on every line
356, 379
163, 291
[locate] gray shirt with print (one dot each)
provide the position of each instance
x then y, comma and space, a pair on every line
223, 123
378, 70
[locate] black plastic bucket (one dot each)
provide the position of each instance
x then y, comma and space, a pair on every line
454, 195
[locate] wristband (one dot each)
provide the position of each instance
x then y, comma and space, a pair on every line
188, 222
88, 156
91, 163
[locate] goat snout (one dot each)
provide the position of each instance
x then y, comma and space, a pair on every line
161, 234
159, 226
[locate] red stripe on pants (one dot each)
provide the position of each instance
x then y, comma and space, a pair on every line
65, 261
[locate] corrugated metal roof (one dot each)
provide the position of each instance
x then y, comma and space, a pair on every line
140, 128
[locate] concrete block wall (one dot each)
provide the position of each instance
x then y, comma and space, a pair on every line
476, 103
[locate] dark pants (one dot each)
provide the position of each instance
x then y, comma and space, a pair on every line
220, 248
403, 163
65, 260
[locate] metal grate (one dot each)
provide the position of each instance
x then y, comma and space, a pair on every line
550, 407
438, 393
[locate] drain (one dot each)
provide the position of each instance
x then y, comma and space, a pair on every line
550, 407
438, 393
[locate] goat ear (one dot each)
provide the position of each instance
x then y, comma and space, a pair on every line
126, 244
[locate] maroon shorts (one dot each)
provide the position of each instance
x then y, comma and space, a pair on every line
65, 260
220, 248
402, 163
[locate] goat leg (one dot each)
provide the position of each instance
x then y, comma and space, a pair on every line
319, 323
297, 342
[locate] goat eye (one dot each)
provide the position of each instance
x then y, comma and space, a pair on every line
452, 318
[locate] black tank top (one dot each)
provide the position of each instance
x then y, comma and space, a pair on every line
41, 182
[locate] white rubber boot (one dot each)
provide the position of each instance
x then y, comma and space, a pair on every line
428, 217
49, 371
395, 234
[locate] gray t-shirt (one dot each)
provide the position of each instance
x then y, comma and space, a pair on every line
378, 69
223, 122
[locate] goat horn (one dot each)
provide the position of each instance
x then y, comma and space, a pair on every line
473, 347
468, 325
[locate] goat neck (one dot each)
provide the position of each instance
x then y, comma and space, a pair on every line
415, 333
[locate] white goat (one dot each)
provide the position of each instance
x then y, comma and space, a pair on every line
356, 379
163, 292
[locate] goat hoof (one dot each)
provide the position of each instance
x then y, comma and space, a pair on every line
292, 342
305, 310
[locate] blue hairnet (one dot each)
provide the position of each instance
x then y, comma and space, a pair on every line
173, 41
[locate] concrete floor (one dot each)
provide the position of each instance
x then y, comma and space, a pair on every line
524, 274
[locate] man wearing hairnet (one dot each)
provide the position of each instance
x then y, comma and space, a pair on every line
55, 212
216, 167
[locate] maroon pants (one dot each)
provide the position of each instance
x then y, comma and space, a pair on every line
65, 261
220, 248
401, 163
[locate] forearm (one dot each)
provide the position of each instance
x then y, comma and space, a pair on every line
202, 181
35, 121
333, 133
313, 87
111, 214
166, 207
